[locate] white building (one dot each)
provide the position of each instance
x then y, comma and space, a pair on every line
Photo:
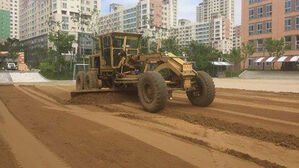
200, 13
4, 4
220, 34
13, 7
150, 17
208, 8
237, 37
39, 17
186, 32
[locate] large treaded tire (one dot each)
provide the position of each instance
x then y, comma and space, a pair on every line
206, 88
80, 81
152, 91
91, 79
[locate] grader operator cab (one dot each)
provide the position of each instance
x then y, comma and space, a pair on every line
120, 66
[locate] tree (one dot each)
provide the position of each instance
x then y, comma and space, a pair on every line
247, 49
62, 41
235, 57
203, 55
274, 47
13, 46
171, 45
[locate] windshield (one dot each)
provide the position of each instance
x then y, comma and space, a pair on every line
132, 43
118, 41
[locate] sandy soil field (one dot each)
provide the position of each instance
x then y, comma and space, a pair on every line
41, 126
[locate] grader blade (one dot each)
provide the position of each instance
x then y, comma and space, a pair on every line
82, 92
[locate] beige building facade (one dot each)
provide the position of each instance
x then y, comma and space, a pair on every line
266, 19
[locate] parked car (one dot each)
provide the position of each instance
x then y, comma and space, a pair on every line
11, 66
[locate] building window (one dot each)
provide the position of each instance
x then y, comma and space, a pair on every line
260, 11
251, 1
259, 28
251, 29
297, 22
288, 5
251, 13
297, 42
269, 10
288, 42
287, 24
269, 26
297, 5
259, 0
259, 45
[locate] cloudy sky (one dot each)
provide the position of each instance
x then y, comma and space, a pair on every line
187, 8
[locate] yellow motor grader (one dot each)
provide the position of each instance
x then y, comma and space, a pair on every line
120, 66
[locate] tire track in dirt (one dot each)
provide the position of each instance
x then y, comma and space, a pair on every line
83, 143
213, 118
256, 152
152, 141
270, 116
29, 152
7, 159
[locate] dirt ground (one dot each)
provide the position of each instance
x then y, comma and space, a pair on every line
240, 129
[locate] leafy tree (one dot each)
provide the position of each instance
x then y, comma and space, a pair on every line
13, 46
247, 49
235, 57
62, 41
275, 47
147, 46
171, 45
203, 55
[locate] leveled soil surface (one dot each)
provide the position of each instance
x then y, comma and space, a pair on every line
240, 129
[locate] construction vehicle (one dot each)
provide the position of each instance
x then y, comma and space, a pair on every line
119, 66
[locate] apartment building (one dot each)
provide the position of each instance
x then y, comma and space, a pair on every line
188, 31
220, 33
150, 17
237, 37
39, 17
4, 20
13, 7
208, 8
276, 19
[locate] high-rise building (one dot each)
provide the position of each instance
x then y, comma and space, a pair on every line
39, 17
200, 13
4, 24
150, 17
14, 19
237, 37
208, 8
220, 33
188, 31
13, 7
268, 19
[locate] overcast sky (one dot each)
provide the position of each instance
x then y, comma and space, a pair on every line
186, 8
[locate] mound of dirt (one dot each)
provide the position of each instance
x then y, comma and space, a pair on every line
105, 98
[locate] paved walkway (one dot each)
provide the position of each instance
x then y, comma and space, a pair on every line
271, 85
21, 77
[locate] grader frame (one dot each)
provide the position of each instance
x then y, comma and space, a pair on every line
119, 65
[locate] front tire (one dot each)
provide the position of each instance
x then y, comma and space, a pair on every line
91, 79
80, 81
152, 91
204, 93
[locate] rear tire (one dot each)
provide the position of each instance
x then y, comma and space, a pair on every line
91, 79
204, 94
80, 81
152, 91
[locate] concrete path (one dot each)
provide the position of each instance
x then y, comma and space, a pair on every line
289, 75
270, 85
5, 77
21, 77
